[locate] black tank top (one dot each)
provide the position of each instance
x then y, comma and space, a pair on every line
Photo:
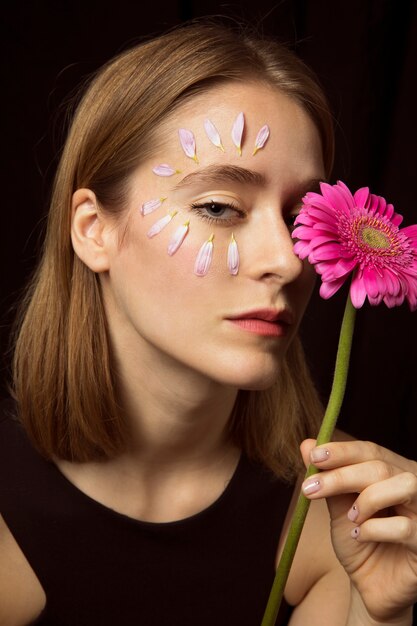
101, 568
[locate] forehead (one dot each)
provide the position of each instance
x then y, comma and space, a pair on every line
293, 143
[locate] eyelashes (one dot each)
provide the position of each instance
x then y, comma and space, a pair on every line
223, 213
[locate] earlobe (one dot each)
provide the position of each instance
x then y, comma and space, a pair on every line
87, 231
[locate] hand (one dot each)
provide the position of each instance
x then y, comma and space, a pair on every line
371, 494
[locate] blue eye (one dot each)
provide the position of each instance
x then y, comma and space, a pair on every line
217, 212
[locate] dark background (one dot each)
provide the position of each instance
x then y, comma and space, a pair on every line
365, 54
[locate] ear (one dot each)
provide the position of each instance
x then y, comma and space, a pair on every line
87, 226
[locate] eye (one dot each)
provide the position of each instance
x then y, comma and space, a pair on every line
217, 212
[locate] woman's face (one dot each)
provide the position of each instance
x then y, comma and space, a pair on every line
231, 328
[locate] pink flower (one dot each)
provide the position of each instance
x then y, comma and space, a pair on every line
341, 233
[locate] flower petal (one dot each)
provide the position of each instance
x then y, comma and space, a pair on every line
164, 170
361, 197
187, 141
151, 205
233, 257
237, 132
160, 224
328, 289
204, 257
261, 139
213, 134
177, 238
357, 290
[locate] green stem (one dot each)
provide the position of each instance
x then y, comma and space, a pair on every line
325, 434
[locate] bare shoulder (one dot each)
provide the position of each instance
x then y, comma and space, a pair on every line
22, 598
316, 571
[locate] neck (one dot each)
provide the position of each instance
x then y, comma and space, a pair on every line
177, 416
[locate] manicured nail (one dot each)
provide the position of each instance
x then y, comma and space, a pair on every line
311, 485
319, 454
355, 532
353, 513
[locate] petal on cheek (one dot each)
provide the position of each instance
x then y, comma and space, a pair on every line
204, 258
177, 238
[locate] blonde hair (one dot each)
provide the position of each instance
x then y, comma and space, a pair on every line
63, 377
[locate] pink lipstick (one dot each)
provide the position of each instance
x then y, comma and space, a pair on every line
265, 322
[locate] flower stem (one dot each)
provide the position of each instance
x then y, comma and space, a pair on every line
324, 435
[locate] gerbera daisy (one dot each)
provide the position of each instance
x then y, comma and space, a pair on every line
341, 233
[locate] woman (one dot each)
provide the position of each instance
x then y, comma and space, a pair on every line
157, 371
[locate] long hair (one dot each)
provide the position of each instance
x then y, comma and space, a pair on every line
64, 383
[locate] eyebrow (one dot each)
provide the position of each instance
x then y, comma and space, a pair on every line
222, 174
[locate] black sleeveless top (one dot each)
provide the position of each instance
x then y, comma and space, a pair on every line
101, 568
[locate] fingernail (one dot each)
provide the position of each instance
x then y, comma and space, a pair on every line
311, 485
355, 532
353, 513
319, 454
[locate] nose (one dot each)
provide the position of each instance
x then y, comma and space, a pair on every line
272, 253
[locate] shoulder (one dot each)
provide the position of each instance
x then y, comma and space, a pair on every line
22, 598
21, 595
316, 570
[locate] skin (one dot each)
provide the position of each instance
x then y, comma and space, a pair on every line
162, 318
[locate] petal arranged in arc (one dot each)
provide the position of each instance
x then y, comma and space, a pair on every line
204, 258
213, 134
177, 238
237, 131
163, 169
151, 205
233, 257
187, 141
261, 138
160, 224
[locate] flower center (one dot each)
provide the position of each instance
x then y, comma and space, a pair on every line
374, 238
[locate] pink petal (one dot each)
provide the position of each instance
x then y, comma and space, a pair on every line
233, 257
328, 289
336, 198
370, 282
187, 141
357, 290
237, 132
301, 249
261, 138
327, 251
160, 224
177, 238
213, 134
164, 170
204, 257
151, 205
361, 197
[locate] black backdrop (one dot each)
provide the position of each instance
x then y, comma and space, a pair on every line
365, 54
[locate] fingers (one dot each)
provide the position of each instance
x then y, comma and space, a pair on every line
398, 490
348, 479
401, 530
336, 454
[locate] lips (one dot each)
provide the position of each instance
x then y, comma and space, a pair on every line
266, 322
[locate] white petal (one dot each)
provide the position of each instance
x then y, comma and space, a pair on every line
204, 257
151, 205
233, 257
164, 170
261, 138
160, 224
187, 141
213, 134
177, 238
237, 131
